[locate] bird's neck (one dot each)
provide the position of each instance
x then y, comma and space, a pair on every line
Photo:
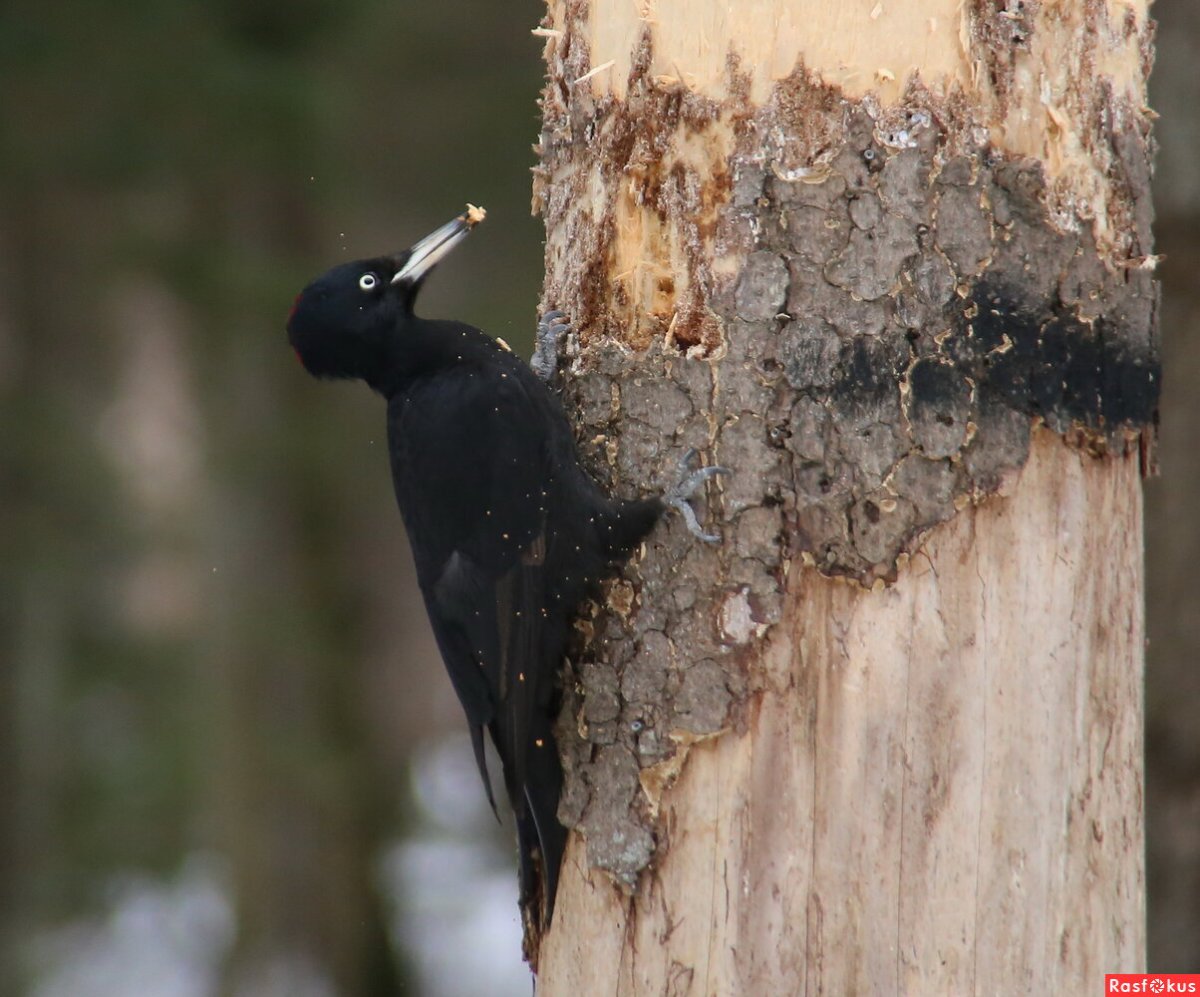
422, 348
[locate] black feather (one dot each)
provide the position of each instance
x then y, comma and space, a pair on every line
506, 529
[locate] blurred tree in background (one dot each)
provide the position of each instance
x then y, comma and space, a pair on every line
210, 641
1172, 525
214, 667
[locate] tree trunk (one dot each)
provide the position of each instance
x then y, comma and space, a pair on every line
895, 270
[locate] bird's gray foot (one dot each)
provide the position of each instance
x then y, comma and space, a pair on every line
551, 328
691, 479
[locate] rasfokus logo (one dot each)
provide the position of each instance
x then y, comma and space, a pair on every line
1152, 983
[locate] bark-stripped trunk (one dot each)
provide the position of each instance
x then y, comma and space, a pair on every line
894, 268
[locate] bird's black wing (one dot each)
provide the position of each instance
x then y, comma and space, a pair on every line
472, 479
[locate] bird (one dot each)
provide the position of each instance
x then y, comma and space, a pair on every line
508, 532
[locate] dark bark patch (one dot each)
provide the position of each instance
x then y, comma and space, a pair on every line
1046, 360
939, 407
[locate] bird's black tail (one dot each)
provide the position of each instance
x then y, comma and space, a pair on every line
624, 525
541, 839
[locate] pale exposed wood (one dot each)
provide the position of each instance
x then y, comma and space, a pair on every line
1035, 88
937, 786
843, 42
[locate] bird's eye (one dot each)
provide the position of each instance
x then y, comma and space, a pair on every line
368, 282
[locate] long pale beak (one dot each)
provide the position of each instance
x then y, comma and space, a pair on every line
427, 253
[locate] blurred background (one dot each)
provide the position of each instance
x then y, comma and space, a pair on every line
230, 762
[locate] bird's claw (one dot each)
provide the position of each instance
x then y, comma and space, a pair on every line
691, 479
551, 327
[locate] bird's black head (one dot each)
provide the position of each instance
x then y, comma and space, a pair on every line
347, 322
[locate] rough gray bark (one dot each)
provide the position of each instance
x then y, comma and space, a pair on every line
865, 308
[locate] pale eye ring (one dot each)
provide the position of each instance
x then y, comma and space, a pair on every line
368, 282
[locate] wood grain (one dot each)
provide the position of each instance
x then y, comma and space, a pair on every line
936, 789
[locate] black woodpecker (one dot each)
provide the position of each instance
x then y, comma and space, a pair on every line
508, 532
